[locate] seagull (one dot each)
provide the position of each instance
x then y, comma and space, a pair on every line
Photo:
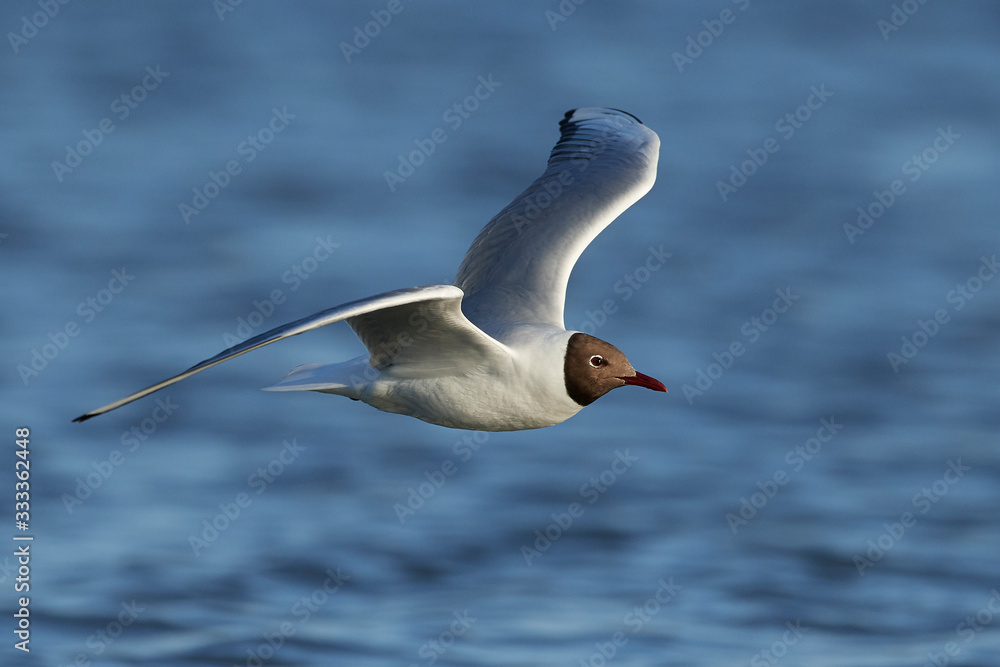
491, 352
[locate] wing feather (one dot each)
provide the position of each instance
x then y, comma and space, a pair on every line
377, 320
517, 269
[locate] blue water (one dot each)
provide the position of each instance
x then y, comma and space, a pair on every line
799, 497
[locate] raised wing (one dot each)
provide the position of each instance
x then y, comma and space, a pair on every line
518, 267
395, 327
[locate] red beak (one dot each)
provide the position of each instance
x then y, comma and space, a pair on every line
641, 380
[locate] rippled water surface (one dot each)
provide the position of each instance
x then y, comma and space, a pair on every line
819, 487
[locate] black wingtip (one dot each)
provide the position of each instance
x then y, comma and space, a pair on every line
82, 418
628, 114
569, 114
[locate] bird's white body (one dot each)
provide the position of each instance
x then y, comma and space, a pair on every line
474, 396
490, 352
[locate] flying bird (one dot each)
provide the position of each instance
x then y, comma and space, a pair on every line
490, 352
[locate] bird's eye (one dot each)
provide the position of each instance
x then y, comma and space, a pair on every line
597, 361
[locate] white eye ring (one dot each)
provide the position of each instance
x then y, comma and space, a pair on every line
597, 361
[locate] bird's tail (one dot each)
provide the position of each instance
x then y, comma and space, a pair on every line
348, 378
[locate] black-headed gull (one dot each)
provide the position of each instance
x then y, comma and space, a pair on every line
490, 352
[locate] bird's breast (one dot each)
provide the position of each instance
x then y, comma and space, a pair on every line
524, 391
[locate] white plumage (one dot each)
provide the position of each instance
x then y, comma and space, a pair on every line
490, 352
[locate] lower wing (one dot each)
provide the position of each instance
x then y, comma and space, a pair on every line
397, 326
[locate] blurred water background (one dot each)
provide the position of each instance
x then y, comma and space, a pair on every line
819, 487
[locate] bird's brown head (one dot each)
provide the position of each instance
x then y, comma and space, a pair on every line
593, 368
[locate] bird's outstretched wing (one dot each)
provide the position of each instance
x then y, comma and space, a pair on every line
396, 327
518, 267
